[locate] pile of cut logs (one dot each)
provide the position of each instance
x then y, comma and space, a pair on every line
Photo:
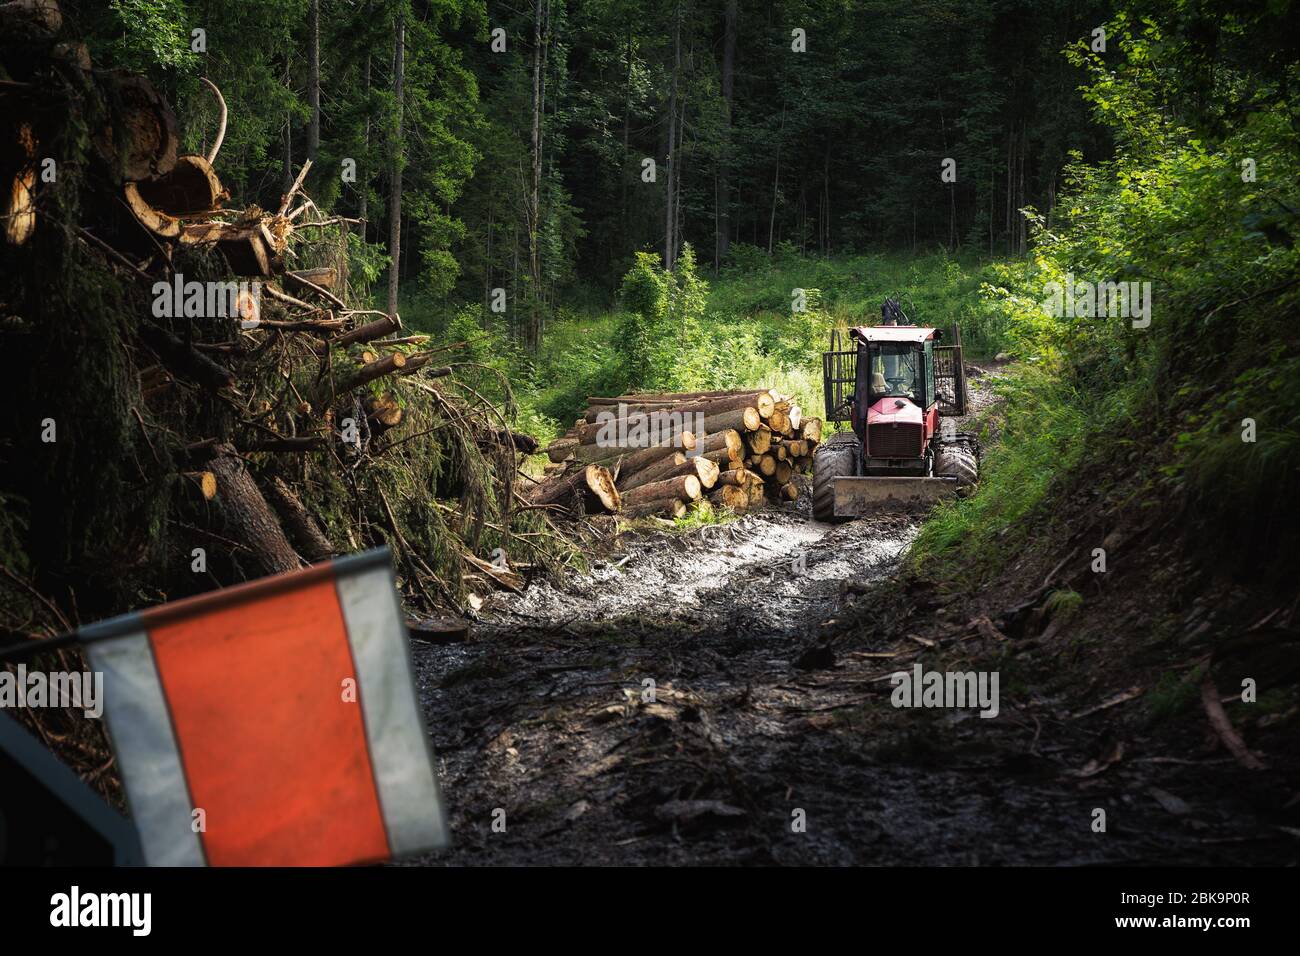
654, 453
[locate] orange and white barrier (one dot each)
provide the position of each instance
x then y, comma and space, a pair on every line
274, 723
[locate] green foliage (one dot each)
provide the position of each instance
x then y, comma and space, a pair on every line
151, 33
366, 263
1175, 207
1173, 694
1063, 604
1041, 441
661, 326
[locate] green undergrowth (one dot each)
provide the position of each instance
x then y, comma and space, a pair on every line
684, 331
1196, 413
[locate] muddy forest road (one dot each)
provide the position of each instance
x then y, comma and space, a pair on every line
771, 697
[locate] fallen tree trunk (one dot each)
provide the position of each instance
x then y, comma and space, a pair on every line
31, 19
416, 362
779, 422
592, 483
683, 486
674, 508
189, 189
668, 396
743, 419
759, 440
302, 528
728, 440
140, 142
19, 196
367, 373
561, 449
382, 411
323, 278
632, 460
183, 360
761, 400
725, 457
654, 472
247, 515
204, 481
368, 332
738, 477
729, 496
703, 469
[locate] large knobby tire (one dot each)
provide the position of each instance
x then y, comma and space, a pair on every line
958, 459
834, 458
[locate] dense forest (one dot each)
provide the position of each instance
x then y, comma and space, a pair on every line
522, 138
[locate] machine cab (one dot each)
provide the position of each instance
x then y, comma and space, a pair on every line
894, 397
883, 366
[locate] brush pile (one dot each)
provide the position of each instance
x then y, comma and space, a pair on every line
198, 397
655, 453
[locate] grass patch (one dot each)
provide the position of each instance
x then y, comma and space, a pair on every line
1045, 432
737, 330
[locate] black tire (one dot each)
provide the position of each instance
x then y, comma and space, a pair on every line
958, 459
834, 458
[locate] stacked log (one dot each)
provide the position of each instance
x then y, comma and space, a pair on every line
736, 448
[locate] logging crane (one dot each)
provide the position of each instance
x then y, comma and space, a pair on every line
900, 390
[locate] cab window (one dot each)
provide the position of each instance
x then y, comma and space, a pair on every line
895, 372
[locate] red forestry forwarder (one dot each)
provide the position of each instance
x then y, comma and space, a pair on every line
894, 385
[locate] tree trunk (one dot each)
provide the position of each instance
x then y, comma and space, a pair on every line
729, 496
286, 175
685, 487
670, 209
728, 94
533, 332
776, 183
363, 205
729, 440
591, 485
738, 477
745, 419
395, 192
313, 79
627, 126
703, 469
661, 469
298, 521
249, 518
673, 508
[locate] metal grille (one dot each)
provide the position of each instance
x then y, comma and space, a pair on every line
950, 377
894, 441
839, 372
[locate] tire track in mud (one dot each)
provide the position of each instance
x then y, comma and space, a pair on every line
542, 714
541, 722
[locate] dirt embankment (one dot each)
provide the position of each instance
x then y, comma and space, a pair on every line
770, 736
